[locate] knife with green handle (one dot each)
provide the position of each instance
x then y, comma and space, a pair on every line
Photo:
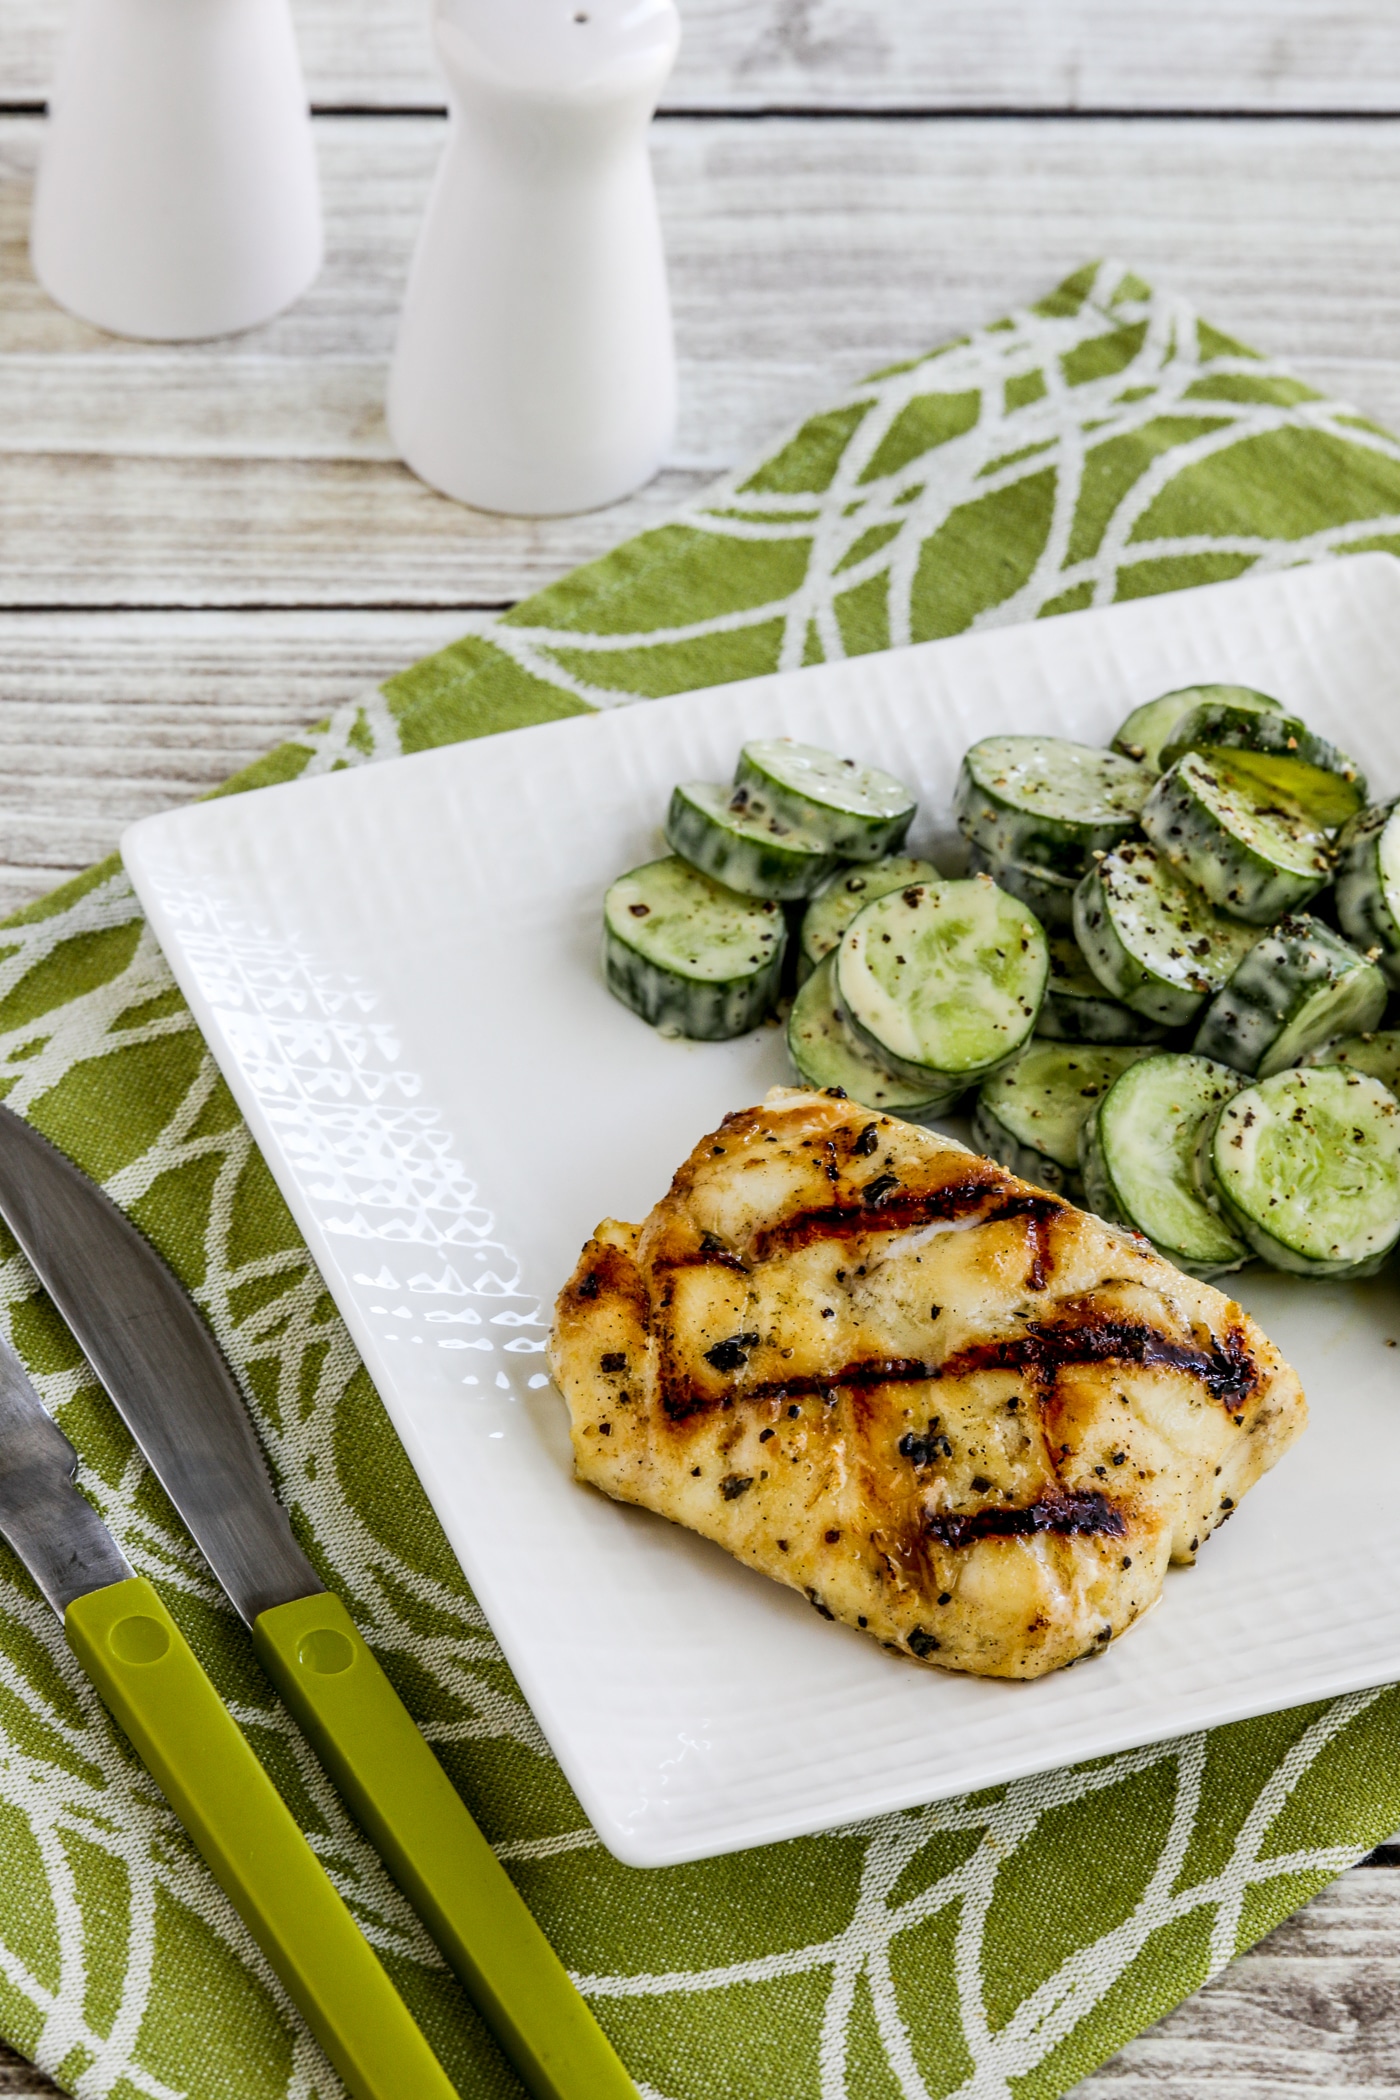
138, 1660
157, 1360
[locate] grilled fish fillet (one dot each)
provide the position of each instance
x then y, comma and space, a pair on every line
946, 1406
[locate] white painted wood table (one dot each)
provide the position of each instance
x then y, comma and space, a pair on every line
203, 548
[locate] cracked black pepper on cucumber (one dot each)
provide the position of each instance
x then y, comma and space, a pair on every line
1159, 988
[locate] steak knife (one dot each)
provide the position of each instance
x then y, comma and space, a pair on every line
160, 1365
135, 1656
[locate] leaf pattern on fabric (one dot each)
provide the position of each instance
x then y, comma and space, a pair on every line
1103, 444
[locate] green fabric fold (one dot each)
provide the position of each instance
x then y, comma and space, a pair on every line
1106, 443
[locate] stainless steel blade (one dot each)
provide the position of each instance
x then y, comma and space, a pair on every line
57, 1534
160, 1364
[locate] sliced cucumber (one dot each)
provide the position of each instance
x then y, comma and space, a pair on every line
1368, 885
688, 955
1050, 896
824, 1053
744, 845
1044, 802
1029, 1116
845, 893
1077, 1009
861, 812
1306, 1165
1147, 728
1254, 854
1284, 756
1138, 1154
1376, 1052
1151, 938
1299, 986
942, 982
1325, 800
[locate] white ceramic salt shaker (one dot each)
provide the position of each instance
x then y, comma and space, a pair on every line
535, 369
177, 194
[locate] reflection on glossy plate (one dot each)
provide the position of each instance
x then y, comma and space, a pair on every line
397, 970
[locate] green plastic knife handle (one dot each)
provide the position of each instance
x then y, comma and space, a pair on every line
139, 1661
419, 1825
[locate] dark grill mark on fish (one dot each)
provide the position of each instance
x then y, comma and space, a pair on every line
1226, 1369
680, 1402
904, 1211
1065, 1516
874, 1370
612, 1273
710, 1254
1042, 1253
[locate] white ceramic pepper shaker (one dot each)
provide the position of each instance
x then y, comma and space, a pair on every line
535, 369
177, 194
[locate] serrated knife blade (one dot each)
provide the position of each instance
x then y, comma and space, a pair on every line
55, 1531
160, 1365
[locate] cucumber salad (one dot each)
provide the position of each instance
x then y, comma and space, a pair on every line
1163, 980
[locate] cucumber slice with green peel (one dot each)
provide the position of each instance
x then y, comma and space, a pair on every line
1254, 854
845, 893
1368, 886
1029, 1116
1376, 1052
1299, 986
688, 955
1284, 756
737, 841
1147, 728
1044, 802
824, 1054
1325, 799
1050, 896
1151, 938
1306, 1167
1138, 1154
943, 981
861, 812
1077, 1009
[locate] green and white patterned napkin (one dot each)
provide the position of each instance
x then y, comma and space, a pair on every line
1104, 444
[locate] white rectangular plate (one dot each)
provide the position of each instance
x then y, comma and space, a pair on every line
397, 970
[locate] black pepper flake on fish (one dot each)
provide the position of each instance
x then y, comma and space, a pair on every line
732, 1353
